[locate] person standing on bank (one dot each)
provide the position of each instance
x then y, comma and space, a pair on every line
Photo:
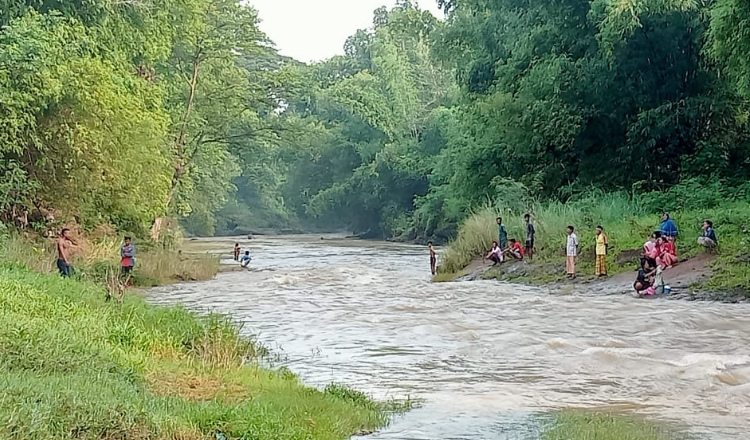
502, 240
602, 244
63, 253
571, 252
530, 233
127, 258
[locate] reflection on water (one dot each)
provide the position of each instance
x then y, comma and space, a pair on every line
484, 356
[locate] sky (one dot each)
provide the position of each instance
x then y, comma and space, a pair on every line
315, 30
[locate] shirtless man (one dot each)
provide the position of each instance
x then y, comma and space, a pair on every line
433, 258
63, 253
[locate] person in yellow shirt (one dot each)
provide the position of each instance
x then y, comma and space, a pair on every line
601, 252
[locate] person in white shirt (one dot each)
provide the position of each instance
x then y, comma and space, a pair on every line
496, 254
571, 252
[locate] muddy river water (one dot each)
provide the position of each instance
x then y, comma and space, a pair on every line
484, 357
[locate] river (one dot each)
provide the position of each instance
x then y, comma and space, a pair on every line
483, 356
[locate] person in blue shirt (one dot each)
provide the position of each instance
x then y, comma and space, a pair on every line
245, 260
668, 227
502, 234
708, 236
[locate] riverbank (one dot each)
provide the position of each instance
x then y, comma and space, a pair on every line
73, 366
726, 273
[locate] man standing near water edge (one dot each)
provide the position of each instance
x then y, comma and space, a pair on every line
571, 252
530, 232
63, 253
502, 234
433, 258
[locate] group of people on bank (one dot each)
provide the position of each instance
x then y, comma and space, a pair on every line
659, 252
65, 242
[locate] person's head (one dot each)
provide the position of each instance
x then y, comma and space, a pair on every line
236, 245
429, 243
645, 264
665, 216
599, 230
494, 244
656, 235
499, 220
708, 224
527, 217
247, 252
513, 241
65, 233
127, 240
570, 230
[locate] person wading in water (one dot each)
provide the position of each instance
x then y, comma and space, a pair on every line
63, 253
433, 258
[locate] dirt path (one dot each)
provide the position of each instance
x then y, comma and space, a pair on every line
679, 278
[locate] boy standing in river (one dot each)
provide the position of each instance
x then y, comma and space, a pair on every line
433, 258
571, 252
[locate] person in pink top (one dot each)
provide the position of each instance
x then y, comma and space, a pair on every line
668, 257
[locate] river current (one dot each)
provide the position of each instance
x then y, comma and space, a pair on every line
483, 357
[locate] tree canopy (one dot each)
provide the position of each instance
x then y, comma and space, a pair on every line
125, 113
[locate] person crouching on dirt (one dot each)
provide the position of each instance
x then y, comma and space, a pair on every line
708, 236
495, 255
644, 283
515, 250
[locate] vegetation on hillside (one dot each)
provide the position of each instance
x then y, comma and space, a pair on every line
127, 113
628, 221
74, 367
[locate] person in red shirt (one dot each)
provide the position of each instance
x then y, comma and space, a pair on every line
127, 258
515, 249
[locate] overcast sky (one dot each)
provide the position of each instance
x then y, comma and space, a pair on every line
315, 30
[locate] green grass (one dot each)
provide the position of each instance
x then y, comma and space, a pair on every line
98, 261
628, 222
595, 426
75, 367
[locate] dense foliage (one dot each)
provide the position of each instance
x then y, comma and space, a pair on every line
424, 120
127, 112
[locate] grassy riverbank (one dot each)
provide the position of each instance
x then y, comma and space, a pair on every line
628, 222
594, 426
75, 367
97, 260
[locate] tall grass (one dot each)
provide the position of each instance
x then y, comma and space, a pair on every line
74, 367
590, 426
98, 260
628, 222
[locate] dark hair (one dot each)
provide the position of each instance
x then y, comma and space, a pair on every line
496, 243
513, 240
600, 227
429, 243
247, 252
127, 237
64, 230
499, 219
667, 214
571, 228
709, 223
236, 244
527, 216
